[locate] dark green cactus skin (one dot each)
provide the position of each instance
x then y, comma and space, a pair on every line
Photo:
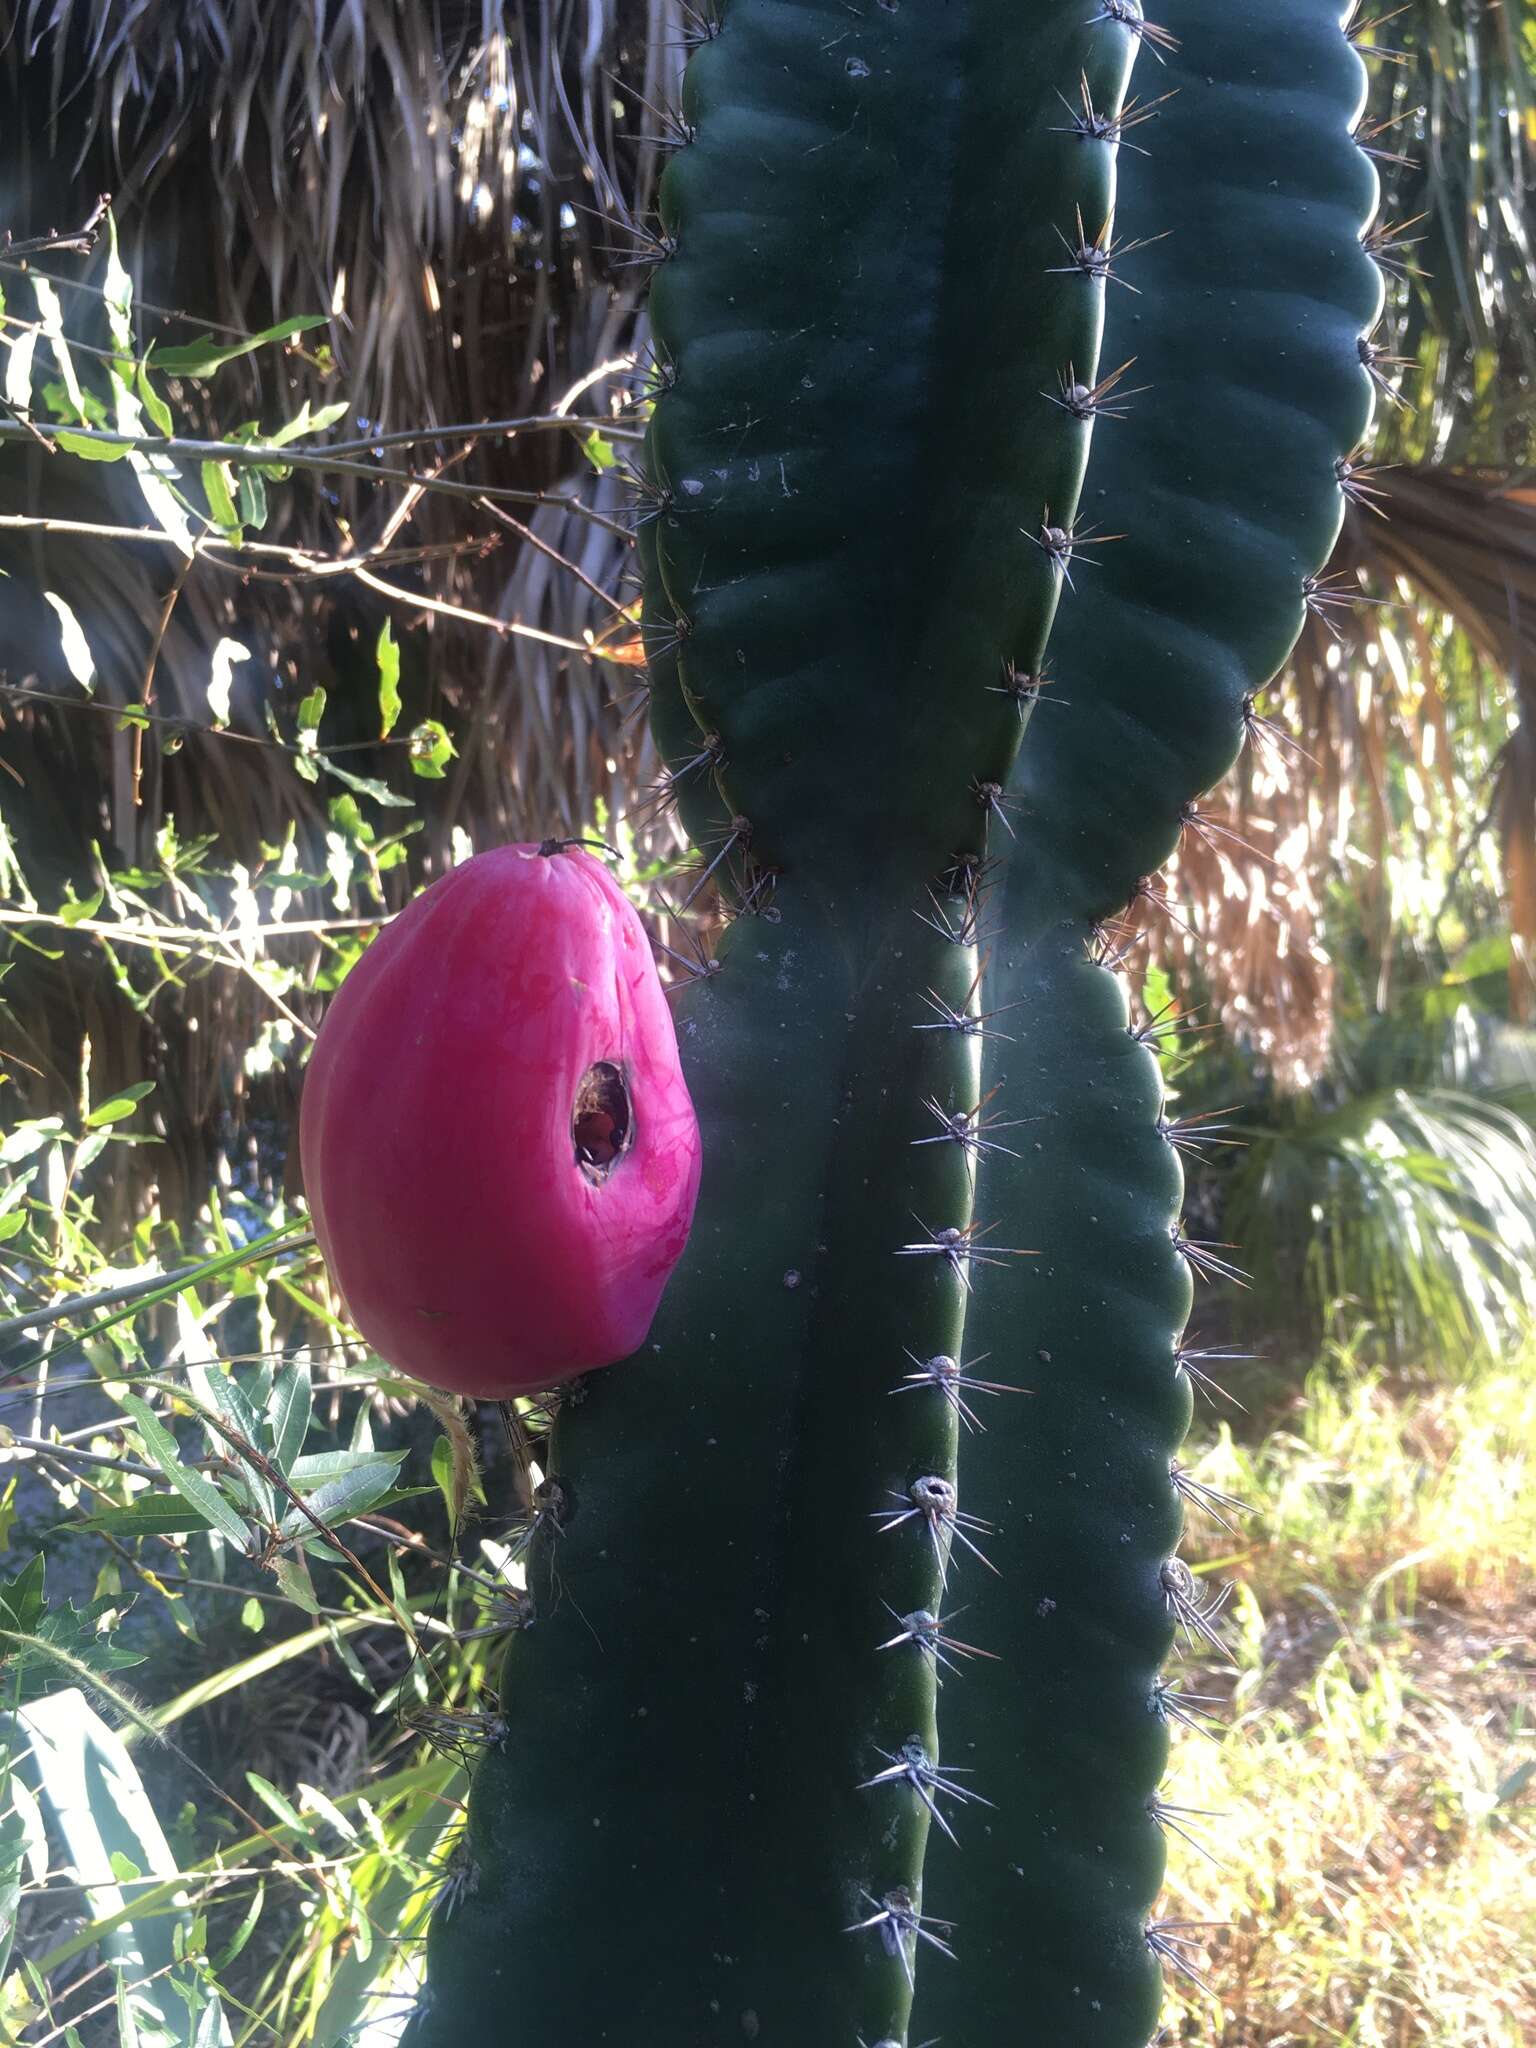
1221, 475
866, 309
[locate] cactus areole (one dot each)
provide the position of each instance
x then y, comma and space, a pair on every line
499, 1149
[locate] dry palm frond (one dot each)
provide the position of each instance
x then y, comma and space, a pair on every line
1464, 540
1366, 699
422, 176
1256, 940
415, 173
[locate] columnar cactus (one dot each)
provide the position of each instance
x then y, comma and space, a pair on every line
952, 617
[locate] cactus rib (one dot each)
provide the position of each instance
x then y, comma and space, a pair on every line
1224, 475
957, 401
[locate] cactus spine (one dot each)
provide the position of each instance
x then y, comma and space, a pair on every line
733, 1800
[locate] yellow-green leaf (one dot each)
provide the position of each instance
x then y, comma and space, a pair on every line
389, 680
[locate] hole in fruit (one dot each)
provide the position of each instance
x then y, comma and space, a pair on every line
601, 1123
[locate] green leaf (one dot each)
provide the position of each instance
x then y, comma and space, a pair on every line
348, 1656
23, 1850
210, 2029
288, 1413
242, 1934
151, 400
303, 422
117, 294
18, 372
349, 821
311, 711
152, 1514
75, 908
92, 451
117, 1106
396, 1580
235, 1405
599, 453
127, 2026
392, 1499
82, 1634
218, 488
62, 408
443, 1473
320, 1467
247, 1426
251, 498
284, 1808
202, 357
199, 1492
431, 749
366, 785
398, 1903
159, 478
29, 1138
388, 653
351, 1493
78, 658
51, 316
21, 1598
328, 1811
292, 1575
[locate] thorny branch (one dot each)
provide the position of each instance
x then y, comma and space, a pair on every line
258, 455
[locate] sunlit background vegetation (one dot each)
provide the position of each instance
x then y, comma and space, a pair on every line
314, 532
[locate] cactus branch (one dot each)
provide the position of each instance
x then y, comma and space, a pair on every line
887, 429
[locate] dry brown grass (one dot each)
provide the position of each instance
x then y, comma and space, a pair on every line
1373, 1822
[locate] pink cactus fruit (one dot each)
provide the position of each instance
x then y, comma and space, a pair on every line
499, 1149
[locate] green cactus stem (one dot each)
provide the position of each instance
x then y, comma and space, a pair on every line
727, 1797
1223, 476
